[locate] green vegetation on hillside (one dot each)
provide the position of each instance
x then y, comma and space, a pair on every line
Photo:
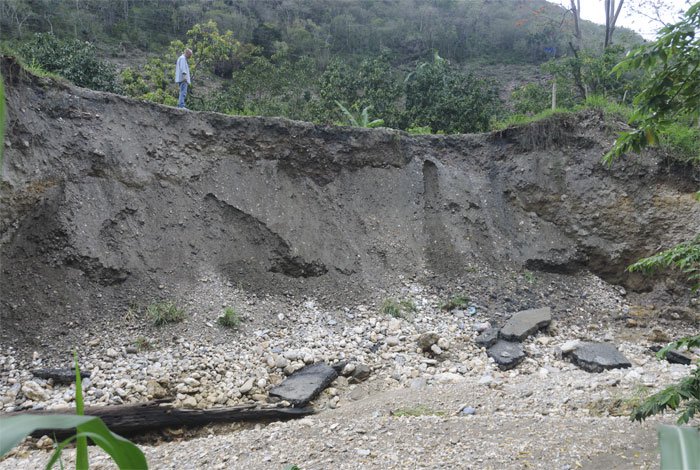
407, 64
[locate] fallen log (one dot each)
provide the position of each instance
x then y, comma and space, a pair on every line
130, 420
59, 376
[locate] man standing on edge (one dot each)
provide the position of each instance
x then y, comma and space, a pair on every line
182, 76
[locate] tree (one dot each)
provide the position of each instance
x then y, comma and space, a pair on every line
671, 90
442, 97
611, 14
371, 84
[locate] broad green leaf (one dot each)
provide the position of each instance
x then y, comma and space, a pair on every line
680, 448
16, 428
124, 453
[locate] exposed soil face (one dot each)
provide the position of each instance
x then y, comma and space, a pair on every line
108, 202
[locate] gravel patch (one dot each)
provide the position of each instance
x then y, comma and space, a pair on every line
396, 403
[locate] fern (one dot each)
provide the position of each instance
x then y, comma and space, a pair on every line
683, 396
684, 257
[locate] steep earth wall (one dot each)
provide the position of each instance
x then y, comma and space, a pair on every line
103, 195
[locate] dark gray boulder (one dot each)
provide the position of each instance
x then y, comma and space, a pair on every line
305, 384
597, 357
506, 354
675, 357
523, 324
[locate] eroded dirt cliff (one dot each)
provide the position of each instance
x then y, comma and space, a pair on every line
107, 200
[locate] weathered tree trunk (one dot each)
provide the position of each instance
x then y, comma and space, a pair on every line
576, 10
611, 14
129, 420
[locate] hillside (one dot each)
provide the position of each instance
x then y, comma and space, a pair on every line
305, 59
515, 31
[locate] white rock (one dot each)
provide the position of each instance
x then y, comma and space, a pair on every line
34, 391
448, 377
247, 386
486, 380
189, 402
392, 340
281, 362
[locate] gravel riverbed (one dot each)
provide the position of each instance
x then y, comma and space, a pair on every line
451, 407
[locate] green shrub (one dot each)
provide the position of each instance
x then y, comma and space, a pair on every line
441, 96
230, 318
400, 309
531, 98
419, 130
681, 142
75, 60
165, 312
684, 257
142, 343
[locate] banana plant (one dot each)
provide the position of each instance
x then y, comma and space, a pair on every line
362, 120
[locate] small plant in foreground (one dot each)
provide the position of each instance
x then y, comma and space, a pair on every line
456, 301
230, 318
165, 312
142, 343
124, 453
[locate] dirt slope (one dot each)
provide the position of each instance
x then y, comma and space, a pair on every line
106, 201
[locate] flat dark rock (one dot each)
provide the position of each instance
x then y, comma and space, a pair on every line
487, 338
674, 357
506, 354
305, 384
597, 357
523, 324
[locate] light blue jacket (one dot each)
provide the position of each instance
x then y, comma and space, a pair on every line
182, 70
